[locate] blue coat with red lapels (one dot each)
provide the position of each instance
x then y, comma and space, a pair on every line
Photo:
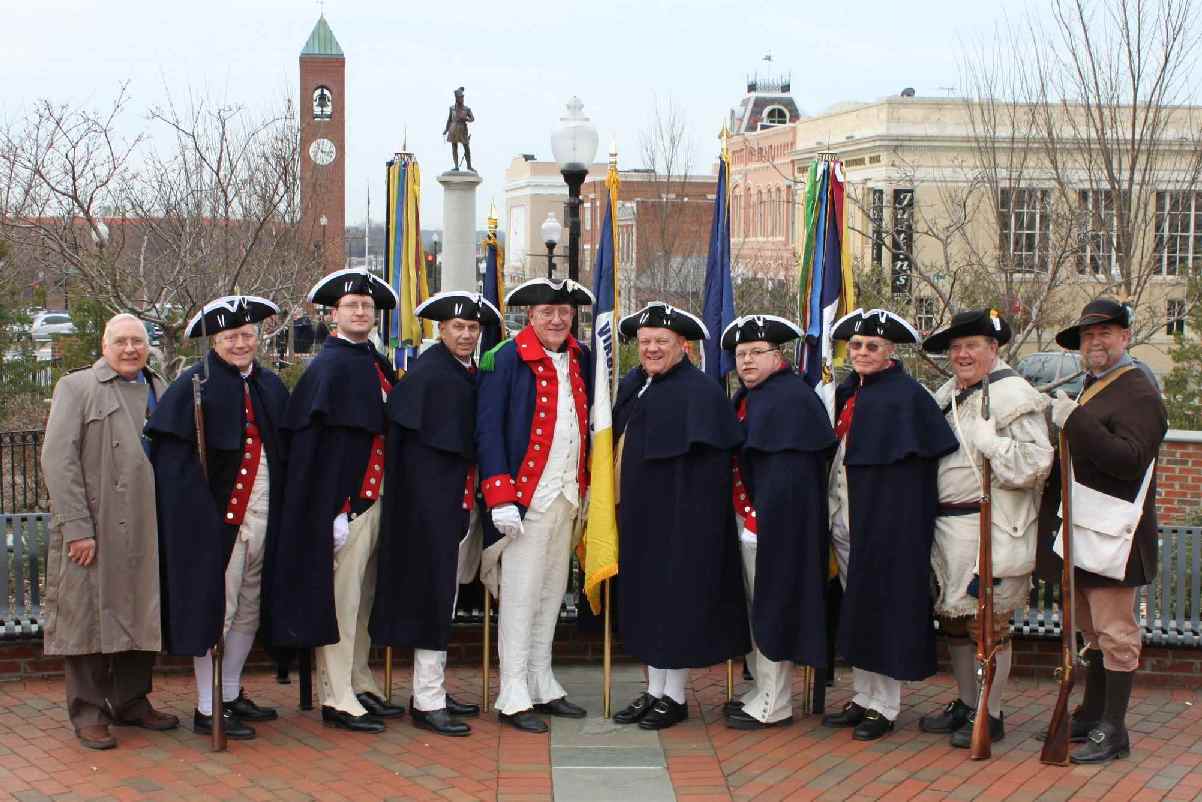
515, 418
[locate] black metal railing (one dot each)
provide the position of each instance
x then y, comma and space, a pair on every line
21, 486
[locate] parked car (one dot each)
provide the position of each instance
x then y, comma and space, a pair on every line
1047, 367
46, 324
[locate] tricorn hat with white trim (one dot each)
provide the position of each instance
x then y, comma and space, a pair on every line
229, 312
353, 281
875, 323
659, 315
549, 291
459, 304
976, 322
760, 328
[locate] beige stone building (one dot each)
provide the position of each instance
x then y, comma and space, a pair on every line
946, 205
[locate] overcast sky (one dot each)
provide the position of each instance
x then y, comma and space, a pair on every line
520, 61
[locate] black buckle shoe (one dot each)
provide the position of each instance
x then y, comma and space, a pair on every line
962, 738
524, 720
850, 716
438, 721
378, 708
634, 712
874, 726
732, 707
245, 709
665, 713
456, 708
561, 707
333, 717
1106, 742
953, 716
739, 720
235, 729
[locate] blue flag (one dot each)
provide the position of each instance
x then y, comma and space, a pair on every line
718, 309
494, 291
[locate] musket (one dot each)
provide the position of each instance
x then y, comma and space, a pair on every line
986, 638
218, 710
1055, 745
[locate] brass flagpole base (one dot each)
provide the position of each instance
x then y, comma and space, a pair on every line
607, 656
388, 674
487, 648
730, 680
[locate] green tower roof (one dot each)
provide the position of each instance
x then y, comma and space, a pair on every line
322, 42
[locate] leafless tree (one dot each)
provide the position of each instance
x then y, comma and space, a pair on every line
204, 202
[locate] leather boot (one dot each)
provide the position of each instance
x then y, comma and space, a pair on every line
1109, 740
1089, 712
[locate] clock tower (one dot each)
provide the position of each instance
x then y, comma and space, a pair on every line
323, 145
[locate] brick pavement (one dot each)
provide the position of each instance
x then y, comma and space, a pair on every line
297, 758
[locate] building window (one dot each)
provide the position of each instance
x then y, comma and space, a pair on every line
773, 116
323, 103
1097, 252
1176, 317
1024, 221
791, 219
924, 314
1178, 232
876, 215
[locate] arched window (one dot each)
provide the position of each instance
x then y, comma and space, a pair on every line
323, 103
774, 115
736, 216
759, 213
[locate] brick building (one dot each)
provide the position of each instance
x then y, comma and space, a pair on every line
323, 145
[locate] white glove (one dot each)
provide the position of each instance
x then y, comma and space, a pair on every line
1062, 407
507, 520
982, 435
342, 530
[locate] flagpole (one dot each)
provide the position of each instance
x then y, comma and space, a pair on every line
607, 659
484, 667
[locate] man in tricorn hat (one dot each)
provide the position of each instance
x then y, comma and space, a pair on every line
1014, 439
456, 129
429, 526
323, 566
780, 506
211, 545
1114, 430
883, 499
681, 590
532, 434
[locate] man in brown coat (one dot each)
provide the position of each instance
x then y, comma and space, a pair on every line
102, 571
1113, 430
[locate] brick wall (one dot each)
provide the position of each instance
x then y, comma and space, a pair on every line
1179, 478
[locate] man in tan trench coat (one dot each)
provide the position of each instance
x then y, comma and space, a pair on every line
102, 571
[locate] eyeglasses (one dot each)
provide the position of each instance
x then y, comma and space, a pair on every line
860, 345
358, 306
753, 353
242, 336
129, 342
547, 313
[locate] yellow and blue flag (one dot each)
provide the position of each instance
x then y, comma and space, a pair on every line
405, 269
494, 291
600, 545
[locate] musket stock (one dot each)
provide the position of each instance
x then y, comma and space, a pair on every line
982, 741
1055, 746
218, 652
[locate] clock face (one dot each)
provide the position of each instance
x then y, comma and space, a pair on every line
322, 151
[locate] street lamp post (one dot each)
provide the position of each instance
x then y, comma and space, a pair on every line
551, 231
574, 144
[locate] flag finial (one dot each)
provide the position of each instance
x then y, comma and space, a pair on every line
724, 136
613, 153
492, 218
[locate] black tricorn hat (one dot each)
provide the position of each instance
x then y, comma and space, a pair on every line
760, 328
975, 322
229, 312
1099, 310
875, 323
549, 291
659, 315
459, 304
353, 281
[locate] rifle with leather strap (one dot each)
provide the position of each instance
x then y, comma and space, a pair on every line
987, 646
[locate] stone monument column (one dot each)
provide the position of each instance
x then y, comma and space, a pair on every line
459, 229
